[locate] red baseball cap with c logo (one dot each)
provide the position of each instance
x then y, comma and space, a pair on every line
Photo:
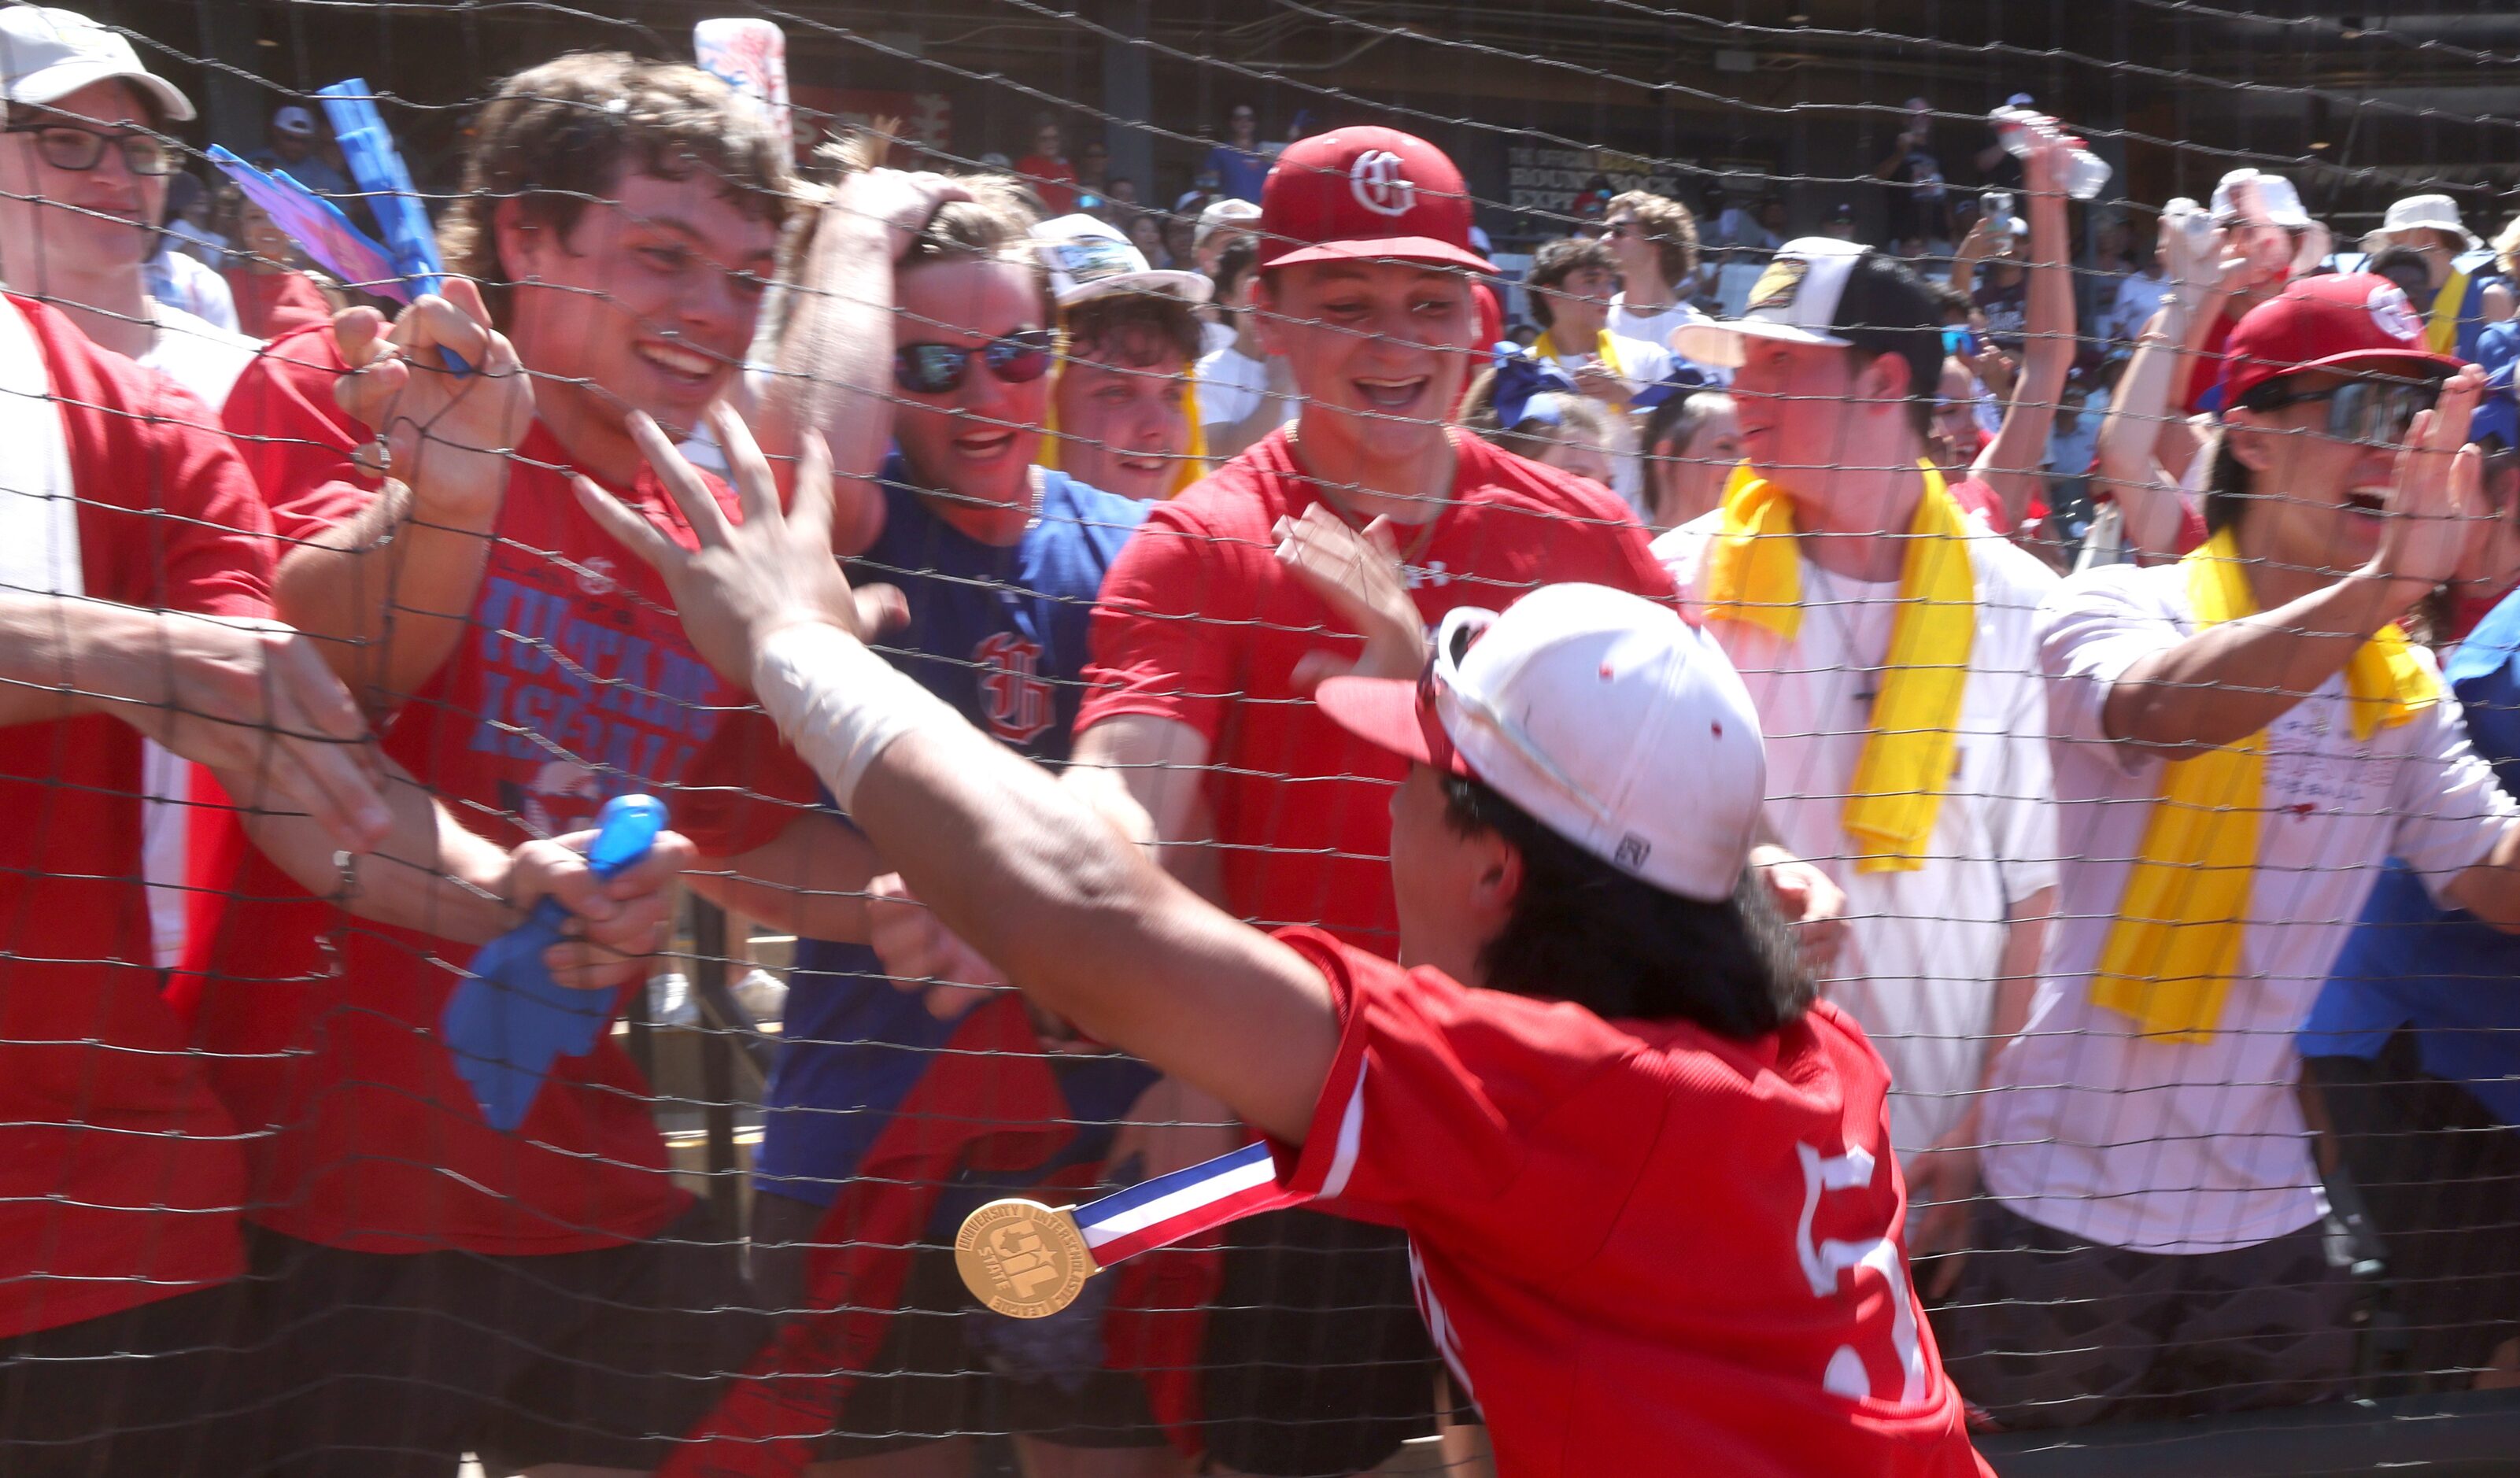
1365, 195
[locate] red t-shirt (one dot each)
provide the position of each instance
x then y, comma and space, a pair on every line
269, 304
1641, 1247
119, 1172
2205, 381
1053, 180
1976, 495
1200, 624
575, 682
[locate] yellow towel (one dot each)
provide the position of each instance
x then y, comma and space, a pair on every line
1753, 574
2175, 945
1606, 348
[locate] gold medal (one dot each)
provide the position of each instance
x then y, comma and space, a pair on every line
1023, 1259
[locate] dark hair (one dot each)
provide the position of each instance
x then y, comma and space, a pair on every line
2227, 487
1235, 261
1139, 326
2400, 257
1558, 260
1582, 931
562, 134
1894, 311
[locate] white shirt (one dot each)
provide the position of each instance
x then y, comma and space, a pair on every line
1231, 385
1919, 970
201, 358
1214, 336
183, 281
1655, 326
1640, 362
2189, 1148
2138, 297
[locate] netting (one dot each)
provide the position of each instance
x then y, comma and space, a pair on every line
2049, 410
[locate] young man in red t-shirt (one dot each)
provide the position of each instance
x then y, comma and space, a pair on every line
547, 1295
135, 563
1645, 1176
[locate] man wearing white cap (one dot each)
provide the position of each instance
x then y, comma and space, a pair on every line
1124, 413
1642, 1171
292, 147
1888, 643
2459, 306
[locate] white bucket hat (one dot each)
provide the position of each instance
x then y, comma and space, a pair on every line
2421, 212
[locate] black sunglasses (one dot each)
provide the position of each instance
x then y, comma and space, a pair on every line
928, 368
2368, 412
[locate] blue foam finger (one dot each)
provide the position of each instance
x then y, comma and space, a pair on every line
375, 163
507, 1021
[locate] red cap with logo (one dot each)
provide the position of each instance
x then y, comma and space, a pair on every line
1365, 195
2349, 321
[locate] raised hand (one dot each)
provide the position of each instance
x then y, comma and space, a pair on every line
2436, 491
1358, 576
445, 436
746, 580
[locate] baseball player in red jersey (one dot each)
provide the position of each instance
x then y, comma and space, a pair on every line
1647, 1176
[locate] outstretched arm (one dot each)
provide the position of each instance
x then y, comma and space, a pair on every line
1008, 858
2011, 463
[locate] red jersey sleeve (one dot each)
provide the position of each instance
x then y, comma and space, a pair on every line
295, 440
1165, 631
1521, 1125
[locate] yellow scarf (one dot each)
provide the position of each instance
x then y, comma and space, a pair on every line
1754, 574
1606, 348
2440, 331
1192, 464
2175, 945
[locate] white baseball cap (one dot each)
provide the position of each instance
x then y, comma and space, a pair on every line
1804, 297
295, 122
2421, 212
48, 54
1091, 259
1228, 214
2275, 194
1604, 715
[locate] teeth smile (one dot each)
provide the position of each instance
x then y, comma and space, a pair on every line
678, 361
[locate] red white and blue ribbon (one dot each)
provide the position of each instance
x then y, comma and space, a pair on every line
1173, 1208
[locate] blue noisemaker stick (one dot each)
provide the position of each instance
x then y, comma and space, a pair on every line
368, 147
509, 1020
317, 224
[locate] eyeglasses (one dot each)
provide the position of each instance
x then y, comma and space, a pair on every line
2367, 411
928, 368
65, 146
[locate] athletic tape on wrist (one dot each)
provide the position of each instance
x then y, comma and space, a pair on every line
838, 703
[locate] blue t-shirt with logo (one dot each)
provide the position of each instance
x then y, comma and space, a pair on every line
2441, 973
999, 633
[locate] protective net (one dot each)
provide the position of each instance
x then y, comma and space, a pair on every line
463, 1030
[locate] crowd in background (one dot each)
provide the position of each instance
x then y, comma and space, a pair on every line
1085, 477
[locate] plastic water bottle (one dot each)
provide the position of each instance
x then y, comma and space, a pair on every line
2084, 176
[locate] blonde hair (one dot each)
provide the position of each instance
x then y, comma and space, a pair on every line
2507, 248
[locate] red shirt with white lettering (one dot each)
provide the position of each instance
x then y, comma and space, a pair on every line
1641, 1247
1198, 623
119, 1172
573, 683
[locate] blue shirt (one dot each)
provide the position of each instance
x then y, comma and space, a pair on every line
1238, 174
1000, 633
2441, 973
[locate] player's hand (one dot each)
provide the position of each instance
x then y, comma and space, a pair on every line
446, 437
2434, 493
615, 923
919, 953
2051, 156
899, 202
1810, 900
252, 699
1943, 1184
1359, 578
748, 580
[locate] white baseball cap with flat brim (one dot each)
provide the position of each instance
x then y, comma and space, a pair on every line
47, 54
2421, 212
1795, 300
1604, 715
1090, 258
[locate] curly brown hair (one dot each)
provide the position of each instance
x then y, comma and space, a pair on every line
1667, 224
559, 136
